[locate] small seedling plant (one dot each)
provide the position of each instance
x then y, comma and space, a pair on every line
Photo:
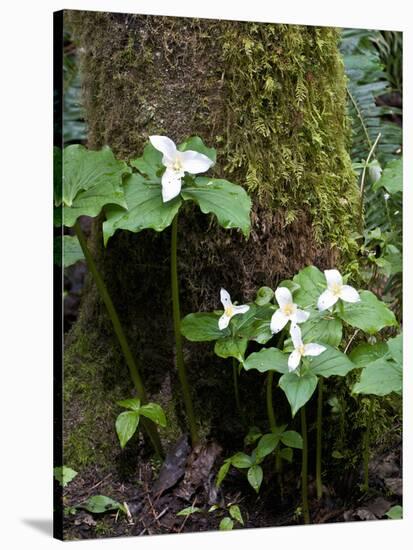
301, 325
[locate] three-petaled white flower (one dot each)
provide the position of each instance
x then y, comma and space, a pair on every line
300, 349
288, 311
177, 163
229, 309
336, 290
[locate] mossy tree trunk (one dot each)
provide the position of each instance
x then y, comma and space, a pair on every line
271, 99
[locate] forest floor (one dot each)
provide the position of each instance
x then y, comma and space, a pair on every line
154, 499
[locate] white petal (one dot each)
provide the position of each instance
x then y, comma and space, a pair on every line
349, 294
171, 185
300, 316
294, 360
295, 333
326, 300
194, 162
165, 146
283, 296
240, 309
278, 321
225, 298
313, 349
333, 277
223, 321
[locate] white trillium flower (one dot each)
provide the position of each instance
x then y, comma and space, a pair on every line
229, 309
177, 163
300, 349
336, 290
288, 311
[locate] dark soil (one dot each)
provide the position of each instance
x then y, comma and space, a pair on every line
151, 511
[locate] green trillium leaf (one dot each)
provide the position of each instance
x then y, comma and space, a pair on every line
150, 163
235, 513
226, 524
298, 389
223, 472
64, 475
255, 475
395, 346
331, 362
134, 404
267, 445
68, 249
99, 504
380, 378
145, 208
264, 296
392, 177
57, 175
195, 143
290, 438
322, 328
287, 454
364, 353
395, 512
126, 425
241, 460
269, 359
232, 346
230, 203
154, 412
254, 324
370, 314
203, 327
311, 282
91, 180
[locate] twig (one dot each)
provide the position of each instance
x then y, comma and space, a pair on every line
162, 513
154, 512
351, 339
363, 175
97, 484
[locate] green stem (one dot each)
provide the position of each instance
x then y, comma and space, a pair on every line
270, 407
236, 387
366, 447
318, 481
304, 467
149, 426
178, 339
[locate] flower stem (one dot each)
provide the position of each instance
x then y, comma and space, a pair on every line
149, 426
178, 339
318, 481
236, 388
273, 424
304, 467
366, 447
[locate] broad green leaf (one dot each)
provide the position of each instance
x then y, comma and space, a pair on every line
68, 249
145, 208
392, 177
291, 438
287, 454
364, 354
380, 378
232, 346
57, 175
150, 163
223, 472
154, 412
188, 511
255, 476
241, 460
195, 143
395, 512
254, 324
264, 296
235, 513
395, 346
266, 445
320, 328
91, 180
229, 202
226, 524
292, 287
134, 404
331, 362
203, 327
312, 282
370, 314
298, 389
126, 425
64, 475
269, 359
100, 504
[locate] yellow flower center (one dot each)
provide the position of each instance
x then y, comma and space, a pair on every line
288, 309
229, 311
177, 165
336, 289
300, 350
